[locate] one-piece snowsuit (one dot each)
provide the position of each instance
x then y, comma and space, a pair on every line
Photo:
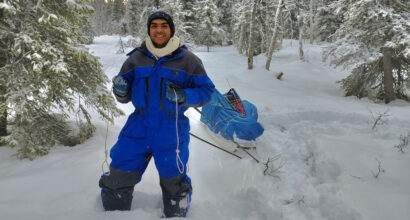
150, 130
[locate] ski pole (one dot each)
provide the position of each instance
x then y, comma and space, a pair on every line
214, 145
222, 131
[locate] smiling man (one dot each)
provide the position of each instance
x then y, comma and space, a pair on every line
162, 79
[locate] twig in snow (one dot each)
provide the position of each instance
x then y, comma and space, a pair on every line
357, 177
310, 156
271, 169
404, 142
380, 169
379, 118
279, 76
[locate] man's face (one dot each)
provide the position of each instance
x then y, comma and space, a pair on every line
159, 32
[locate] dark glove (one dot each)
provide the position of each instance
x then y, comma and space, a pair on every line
120, 86
180, 93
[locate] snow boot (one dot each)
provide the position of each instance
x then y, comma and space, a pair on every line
176, 195
117, 189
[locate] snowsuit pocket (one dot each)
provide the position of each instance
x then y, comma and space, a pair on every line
174, 78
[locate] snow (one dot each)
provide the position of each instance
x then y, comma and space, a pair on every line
6, 6
326, 152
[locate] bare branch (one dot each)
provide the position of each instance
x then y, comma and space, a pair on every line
271, 169
379, 118
380, 169
404, 142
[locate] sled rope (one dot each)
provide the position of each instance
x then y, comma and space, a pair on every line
105, 162
223, 132
213, 145
178, 158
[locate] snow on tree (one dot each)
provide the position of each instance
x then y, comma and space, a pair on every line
209, 31
133, 18
118, 10
274, 34
252, 33
183, 17
239, 24
101, 21
328, 18
48, 78
225, 8
374, 43
137, 16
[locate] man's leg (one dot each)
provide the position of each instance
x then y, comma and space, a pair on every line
176, 186
176, 195
129, 161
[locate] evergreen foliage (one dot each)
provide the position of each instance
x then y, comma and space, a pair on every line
369, 27
328, 19
183, 17
137, 15
118, 10
209, 32
48, 76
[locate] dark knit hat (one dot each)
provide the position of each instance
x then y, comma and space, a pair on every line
161, 15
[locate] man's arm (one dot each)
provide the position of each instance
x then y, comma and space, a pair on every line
201, 90
126, 75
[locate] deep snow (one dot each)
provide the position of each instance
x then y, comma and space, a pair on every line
326, 152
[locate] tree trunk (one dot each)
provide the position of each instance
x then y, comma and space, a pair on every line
251, 35
157, 4
3, 123
242, 32
388, 75
242, 37
274, 35
311, 21
300, 22
3, 113
399, 76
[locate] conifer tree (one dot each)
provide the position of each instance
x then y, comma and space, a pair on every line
374, 43
48, 77
209, 31
102, 21
328, 18
133, 18
239, 24
182, 15
118, 10
137, 15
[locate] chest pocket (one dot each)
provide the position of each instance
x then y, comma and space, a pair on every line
140, 89
176, 77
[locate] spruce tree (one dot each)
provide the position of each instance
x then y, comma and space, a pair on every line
118, 10
133, 18
328, 19
49, 78
137, 15
181, 12
209, 31
374, 43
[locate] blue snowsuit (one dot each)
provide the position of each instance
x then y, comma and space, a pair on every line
150, 130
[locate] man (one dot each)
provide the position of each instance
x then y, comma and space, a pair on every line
162, 79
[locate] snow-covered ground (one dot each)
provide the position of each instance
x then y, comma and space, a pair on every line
324, 148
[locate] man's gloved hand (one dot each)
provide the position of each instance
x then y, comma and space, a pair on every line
180, 93
120, 86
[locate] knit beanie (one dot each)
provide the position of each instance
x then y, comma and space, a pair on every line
161, 15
